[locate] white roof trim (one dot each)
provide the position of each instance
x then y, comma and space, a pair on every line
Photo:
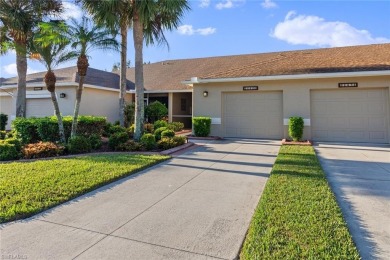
164, 91
196, 80
63, 84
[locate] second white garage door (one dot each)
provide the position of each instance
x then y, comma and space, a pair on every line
350, 115
39, 107
253, 115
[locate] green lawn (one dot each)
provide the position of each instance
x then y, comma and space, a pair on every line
297, 216
27, 188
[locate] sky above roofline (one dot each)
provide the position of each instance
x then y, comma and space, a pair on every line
233, 27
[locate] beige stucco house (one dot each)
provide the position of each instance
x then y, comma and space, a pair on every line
342, 93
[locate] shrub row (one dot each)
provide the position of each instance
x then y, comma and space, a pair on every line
32, 130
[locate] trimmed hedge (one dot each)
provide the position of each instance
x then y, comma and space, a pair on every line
295, 128
117, 139
167, 133
202, 126
34, 129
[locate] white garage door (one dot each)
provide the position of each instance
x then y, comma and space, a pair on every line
253, 115
350, 115
39, 107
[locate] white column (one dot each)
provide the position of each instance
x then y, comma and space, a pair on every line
170, 106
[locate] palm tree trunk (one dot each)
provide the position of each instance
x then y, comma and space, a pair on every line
59, 117
122, 92
76, 110
138, 35
21, 67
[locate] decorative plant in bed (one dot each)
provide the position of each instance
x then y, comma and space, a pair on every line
295, 130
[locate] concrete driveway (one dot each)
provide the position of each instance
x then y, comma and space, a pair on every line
360, 178
195, 206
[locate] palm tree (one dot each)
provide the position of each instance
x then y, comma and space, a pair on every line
115, 14
18, 19
150, 19
52, 50
86, 37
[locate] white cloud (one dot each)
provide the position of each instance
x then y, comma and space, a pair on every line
226, 4
268, 4
71, 11
204, 3
316, 31
189, 30
10, 69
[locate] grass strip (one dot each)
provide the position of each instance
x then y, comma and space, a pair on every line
297, 216
27, 188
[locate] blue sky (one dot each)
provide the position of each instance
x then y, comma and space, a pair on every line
229, 27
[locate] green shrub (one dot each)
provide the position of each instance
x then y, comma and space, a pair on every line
106, 129
202, 126
155, 111
41, 150
130, 146
26, 129
10, 134
79, 144
88, 125
295, 128
148, 141
160, 123
158, 131
167, 133
3, 134
168, 143
117, 129
8, 151
14, 141
32, 130
116, 139
176, 126
95, 141
3, 121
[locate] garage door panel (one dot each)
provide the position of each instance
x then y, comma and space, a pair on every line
352, 115
255, 115
39, 107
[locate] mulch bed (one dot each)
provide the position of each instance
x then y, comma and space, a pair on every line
290, 142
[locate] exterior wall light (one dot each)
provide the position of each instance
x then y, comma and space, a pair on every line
205, 93
62, 95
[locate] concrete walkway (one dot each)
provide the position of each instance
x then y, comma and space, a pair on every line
195, 206
360, 178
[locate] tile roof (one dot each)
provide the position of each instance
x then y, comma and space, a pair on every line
94, 77
168, 75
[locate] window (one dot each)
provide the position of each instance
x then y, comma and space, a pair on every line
183, 104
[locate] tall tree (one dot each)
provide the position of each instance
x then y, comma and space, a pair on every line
114, 14
18, 19
150, 18
51, 48
85, 37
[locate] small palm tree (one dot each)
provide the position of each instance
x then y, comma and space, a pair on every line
52, 50
85, 37
18, 20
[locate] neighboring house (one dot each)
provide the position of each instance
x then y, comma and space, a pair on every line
100, 95
342, 93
